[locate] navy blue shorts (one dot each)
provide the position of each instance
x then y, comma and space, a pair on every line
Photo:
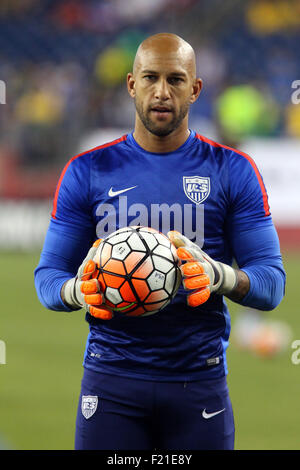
117, 413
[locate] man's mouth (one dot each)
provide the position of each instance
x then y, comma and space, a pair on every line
161, 111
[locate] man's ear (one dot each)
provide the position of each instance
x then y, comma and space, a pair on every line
197, 87
131, 84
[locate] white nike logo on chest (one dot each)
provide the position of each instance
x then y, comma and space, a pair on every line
112, 193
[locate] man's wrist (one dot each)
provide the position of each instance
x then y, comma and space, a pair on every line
229, 279
242, 286
67, 294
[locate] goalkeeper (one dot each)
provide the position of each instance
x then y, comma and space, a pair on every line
160, 381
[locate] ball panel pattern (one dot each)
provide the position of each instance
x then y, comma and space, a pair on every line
144, 270
120, 251
138, 271
115, 266
133, 259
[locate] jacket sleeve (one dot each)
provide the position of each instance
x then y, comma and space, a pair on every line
70, 234
253, 237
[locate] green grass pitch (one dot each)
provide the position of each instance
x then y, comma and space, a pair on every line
39, 384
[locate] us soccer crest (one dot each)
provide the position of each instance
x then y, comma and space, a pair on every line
89, 405
196, 188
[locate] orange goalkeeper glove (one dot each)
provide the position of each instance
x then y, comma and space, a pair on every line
83, 290
201, 274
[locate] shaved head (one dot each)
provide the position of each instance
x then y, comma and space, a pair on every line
169, 45
163, 84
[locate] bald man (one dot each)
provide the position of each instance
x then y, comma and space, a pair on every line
159, 381
163, 85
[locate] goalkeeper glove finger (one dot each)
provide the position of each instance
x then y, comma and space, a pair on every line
84, 291
201, 273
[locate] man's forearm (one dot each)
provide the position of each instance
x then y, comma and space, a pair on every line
267, 285
48, 282
242, 287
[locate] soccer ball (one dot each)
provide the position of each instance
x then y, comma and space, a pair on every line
138, 271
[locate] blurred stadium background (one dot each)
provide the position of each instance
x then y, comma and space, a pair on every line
62, 71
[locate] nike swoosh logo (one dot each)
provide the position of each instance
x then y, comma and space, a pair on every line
112, 193
210, 415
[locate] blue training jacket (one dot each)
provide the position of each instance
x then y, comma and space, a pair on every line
212, 194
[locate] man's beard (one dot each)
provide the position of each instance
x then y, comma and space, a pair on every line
157, 130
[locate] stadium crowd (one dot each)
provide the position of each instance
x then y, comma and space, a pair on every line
64, 65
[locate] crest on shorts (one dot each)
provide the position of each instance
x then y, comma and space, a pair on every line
89, 405
196, 188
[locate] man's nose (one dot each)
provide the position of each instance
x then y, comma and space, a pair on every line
162, 91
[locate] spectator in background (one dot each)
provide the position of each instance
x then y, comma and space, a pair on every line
47, 113
269, 16
39, 112
78, 92
244, 111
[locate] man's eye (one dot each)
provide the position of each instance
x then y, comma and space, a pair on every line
175, 80
149, 77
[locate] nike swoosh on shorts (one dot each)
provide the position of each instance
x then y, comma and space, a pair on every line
210, 415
